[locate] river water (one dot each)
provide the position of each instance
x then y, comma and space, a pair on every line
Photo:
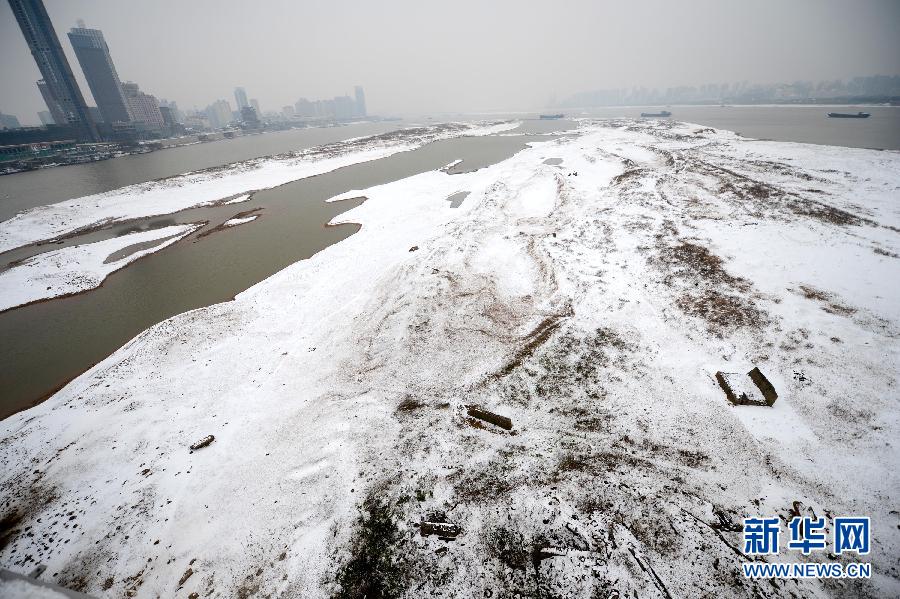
45, 345
50, 185
806, 124
49, 343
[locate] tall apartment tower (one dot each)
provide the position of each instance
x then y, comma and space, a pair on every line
100, 72
240, 96
59, 116
51, 61
360, 101
144, 108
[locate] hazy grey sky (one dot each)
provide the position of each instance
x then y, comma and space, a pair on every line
460, 55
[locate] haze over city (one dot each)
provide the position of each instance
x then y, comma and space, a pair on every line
416, 58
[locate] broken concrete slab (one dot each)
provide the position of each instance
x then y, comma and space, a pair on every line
203, 442
495, 419
751, 389
763, 384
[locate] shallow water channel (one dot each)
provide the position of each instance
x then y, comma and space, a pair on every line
47, 344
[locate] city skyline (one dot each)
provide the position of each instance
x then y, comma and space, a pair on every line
124, 112
409, 65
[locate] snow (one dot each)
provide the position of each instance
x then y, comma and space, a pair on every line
233, 222
214, 185
591, 309
21, 589
79, 268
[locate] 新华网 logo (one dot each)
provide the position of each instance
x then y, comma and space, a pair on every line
762, 536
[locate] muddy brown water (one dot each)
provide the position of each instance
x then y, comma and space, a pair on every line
47, 344
47, 186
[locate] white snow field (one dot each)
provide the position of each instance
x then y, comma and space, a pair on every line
219, 185
80, 268
591, 302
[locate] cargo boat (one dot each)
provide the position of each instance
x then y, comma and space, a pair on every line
652, 114
848, 115
547, 117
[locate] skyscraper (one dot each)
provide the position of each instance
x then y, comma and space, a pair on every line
219, 114
100, 72
58, 78
59, 116
360, 101
240, 96
344, 108
144, 108
8, 121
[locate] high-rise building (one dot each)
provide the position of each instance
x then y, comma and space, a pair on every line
325, 109
240, 96
360, 101
255, 104
100, 72
249, 116
46, 118
304, 108
176, 114
288, 112
344, 108
8, 121
219, 114
59, 116
144, 108
51, 61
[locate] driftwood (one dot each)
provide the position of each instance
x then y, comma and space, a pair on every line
495, 419
187, 574
443, 530
203, 442
764, 385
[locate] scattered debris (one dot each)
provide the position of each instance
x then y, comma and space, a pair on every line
739, 392
203, 442
187, 574
443, 530
495, 419
763, 385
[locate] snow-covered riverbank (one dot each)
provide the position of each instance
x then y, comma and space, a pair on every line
217, 185
589, 301
80, 268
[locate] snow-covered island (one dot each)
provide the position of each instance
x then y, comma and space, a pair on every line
587, 289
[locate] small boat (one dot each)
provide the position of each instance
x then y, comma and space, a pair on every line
653, 114
548, 117
848, 115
